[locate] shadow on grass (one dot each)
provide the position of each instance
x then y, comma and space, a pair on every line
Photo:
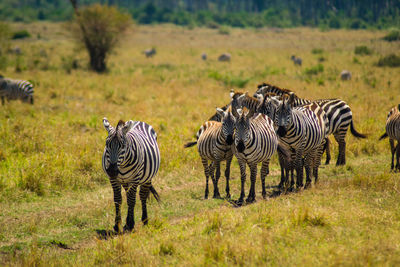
105, 234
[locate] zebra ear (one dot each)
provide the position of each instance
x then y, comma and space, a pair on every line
127, 127
291, 98
221, 112
398, 107
232, 93
107, 125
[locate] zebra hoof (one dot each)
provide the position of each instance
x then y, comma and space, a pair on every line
239, 202
307, 185
117, 230
228, 196
250, 200
128, 229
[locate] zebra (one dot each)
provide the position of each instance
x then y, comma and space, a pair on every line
131, 158
337, 111
214, 143
304, 130
255, 142
15, 89
150, 52
393, 132
296, 60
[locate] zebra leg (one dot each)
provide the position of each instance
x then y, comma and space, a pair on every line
206, 173
397, 157
216, 179
393, 151
253, 175
131, 199
340, 138
264, 172
144, 195
307, 165
227, 176
117, 201
282, 165
298, 165
242, 166
327, 151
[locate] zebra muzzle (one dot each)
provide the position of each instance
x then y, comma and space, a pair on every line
229, 139
240, 146
281, 131
112, 170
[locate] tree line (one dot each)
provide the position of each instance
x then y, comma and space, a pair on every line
354, 14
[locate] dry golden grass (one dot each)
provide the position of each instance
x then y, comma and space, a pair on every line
54, 195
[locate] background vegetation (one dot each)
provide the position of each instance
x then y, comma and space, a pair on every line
54, 194
239, 13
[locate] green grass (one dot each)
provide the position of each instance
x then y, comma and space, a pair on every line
54, 196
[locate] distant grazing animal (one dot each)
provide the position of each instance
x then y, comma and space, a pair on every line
345, 75
296, 60
393, 132
304, 130
255, 142
214, 143
338, 112
226, 57
204, 56
150, 52
131, 158
17, 50
15, 89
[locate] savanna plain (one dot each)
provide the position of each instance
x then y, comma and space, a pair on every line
54, 196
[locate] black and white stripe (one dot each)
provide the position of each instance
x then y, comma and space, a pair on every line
131, 158
337, 111
15, 89
393, 132
214, 143
255, 142
304, 130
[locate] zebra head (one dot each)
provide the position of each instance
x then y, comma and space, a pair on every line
243, 133
228, 125
115, 146
283, 115
268, 104
262, 89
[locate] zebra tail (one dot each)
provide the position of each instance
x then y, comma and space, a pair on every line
284, 152
190, 144
155, 194
355, 133
383, 136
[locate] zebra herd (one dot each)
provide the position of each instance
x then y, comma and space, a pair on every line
253, 128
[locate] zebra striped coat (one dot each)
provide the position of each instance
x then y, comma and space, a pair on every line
255, 142
214, 143
304, 130
131, 158
337, 111
393, 132
16, 89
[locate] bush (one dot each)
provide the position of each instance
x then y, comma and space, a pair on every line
317, 51
224, 30
391, 60
334, 23
357, 24
314, 70
393, 35
21, 34
100, 29
362, 50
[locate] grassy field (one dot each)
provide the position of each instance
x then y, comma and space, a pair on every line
54, 196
